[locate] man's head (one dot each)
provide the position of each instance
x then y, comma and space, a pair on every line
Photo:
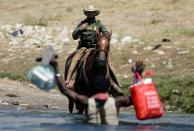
91, 11
100, 87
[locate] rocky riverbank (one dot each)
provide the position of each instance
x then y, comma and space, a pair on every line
24, 96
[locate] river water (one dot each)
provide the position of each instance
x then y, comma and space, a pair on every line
62, 121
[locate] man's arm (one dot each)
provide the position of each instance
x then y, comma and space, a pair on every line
123, 101
68, 92
77, 32
103, 29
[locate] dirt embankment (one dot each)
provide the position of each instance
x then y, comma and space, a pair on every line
27, 96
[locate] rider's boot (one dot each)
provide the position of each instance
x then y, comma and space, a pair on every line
71, 83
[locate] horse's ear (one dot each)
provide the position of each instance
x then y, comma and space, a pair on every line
110, 34
97, 32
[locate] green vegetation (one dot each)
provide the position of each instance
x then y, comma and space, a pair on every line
176, 92
156, 21
69, 9
12, 76
41, 21
188, 32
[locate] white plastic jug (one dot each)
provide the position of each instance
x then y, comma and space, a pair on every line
43, 76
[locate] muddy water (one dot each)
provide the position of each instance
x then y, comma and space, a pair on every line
58, 120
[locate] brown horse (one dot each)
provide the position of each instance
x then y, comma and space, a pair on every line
92, 69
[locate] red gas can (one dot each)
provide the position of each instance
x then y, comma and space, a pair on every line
146, 100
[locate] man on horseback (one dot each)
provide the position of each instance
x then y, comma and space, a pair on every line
86, 31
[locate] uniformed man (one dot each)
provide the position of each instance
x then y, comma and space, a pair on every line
86, 29
87, 35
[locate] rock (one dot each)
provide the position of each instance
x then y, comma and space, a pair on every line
115, 36
167, 107
137, 41
6, 28
40, 29
135, 52
30, 42
28, 30
55, 107
125, 76
156, 46
2, 37
20, 108
153, 66
113, 41
11, 95
141, 42
15, 103
17, 33
62, 37
126, 39
148, 48
119, 48
24, 104
159, 52
176, 92
18, 26
183, 52
45, 106
166, 40
167, 47
130, 61
71, 31
169, 64
3, 102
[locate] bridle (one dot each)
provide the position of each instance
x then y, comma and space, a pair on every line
98, 51
103, 50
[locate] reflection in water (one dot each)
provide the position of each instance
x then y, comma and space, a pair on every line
33, 120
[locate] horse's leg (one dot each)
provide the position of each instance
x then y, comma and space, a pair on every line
71, 105
80, 108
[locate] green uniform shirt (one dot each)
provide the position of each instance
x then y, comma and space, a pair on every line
88, 37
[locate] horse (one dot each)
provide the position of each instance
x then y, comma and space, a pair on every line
92, 68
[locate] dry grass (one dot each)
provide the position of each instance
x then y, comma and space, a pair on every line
147, 20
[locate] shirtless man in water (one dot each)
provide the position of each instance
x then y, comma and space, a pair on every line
100, 108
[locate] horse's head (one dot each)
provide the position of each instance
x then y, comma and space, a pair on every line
102, 48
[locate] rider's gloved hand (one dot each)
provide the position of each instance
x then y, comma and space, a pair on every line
83, 26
